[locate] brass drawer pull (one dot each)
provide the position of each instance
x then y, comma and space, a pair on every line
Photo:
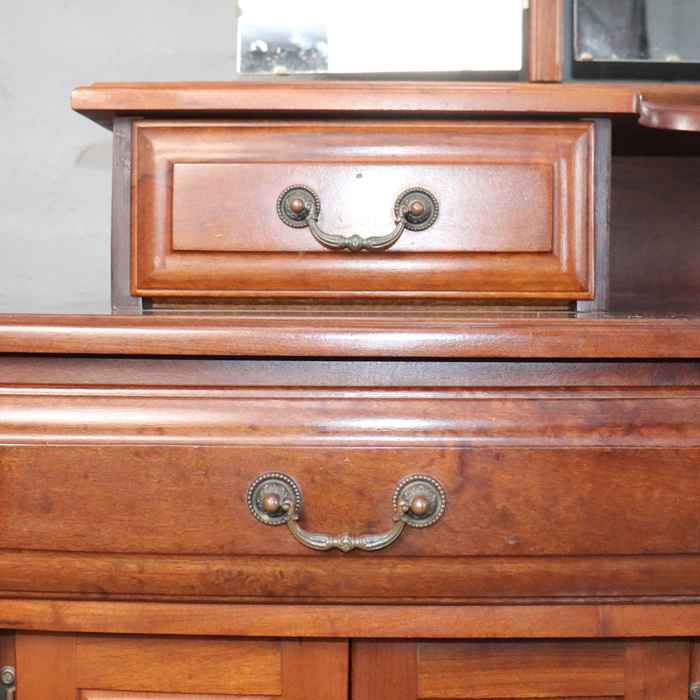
415, 209
275, 499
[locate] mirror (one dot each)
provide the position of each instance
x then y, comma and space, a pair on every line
656, 31
379, 36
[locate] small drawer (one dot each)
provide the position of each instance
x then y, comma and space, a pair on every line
508, 213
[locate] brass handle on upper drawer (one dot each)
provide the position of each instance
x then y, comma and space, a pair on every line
275, 499
415, 209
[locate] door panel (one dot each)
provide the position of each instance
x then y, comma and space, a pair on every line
112, 667
558, 670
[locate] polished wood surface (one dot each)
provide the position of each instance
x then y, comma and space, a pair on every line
46, 664
130, 501
561, 670
88, 418
674, 117
128, 695
524, 336
566, 563
102, 101
657, 670
101, 667
520, 669
516, 209
337, 580
179, 665
546, 41
361, 621
384, 669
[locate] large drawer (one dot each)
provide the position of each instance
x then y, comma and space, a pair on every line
550, 493
514, 204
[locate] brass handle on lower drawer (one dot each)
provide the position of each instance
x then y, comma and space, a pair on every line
275, 499
415, 209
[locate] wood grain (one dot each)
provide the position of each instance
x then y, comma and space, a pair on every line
318, 336
546, 60
45, 666
170, 500
387, 670
121, 695
7, 648
338, 580
516, 215
520, 669
179, 665
657, 670
534, 417
365, 621
315, 669
102, 101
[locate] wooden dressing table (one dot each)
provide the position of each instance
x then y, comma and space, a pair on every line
542, 384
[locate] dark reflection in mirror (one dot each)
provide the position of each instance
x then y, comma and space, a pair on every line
659, 31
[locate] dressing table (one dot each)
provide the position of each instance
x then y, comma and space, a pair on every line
459, 462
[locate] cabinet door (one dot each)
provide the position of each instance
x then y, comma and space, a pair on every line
113, 667
555, 669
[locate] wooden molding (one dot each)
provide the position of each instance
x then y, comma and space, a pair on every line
369, 621
546, 41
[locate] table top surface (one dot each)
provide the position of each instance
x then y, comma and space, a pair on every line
475, 335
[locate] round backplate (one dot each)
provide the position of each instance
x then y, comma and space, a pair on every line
420, 485
278, 484
297, 219
430, 208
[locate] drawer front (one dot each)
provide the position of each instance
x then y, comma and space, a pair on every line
569, 493
185, 500
514, 217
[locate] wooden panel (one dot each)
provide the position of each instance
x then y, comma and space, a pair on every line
520, 669
602, 198
352, 579
102, 100
121, 695
386, 670
319, 335
179, 665
695, 661
675, 117
596, 417
7, 648
546, 41
489, 241
651, 270
45, 666
122, 301
315, 669
657, 670
487, 207
500, 502
371, 621
230, 372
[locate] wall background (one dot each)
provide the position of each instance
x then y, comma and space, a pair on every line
55, 166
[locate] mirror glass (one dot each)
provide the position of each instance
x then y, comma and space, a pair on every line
659, 31
379, 36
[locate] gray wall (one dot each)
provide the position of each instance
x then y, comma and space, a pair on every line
55, 166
